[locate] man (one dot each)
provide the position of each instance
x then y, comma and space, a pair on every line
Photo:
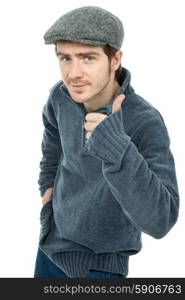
107, 172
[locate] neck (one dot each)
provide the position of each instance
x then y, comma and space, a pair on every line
101, 100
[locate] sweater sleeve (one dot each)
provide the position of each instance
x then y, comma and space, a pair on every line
50, 147
141, 176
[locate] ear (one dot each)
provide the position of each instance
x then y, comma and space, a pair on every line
116, 60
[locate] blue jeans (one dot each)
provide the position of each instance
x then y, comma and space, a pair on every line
45, 268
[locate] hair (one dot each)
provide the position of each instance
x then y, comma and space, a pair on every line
110, 52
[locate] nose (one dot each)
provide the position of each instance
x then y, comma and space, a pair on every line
75, 70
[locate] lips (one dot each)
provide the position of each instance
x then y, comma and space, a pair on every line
79, 84
79, 87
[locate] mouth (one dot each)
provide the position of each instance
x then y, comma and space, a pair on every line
79, 87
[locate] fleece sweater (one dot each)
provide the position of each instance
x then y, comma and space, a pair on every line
107, 189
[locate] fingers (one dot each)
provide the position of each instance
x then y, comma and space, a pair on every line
45, 200
90, 126
88, 134
92, 120
95, 117
47, 195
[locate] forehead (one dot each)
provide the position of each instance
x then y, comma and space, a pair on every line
73, 47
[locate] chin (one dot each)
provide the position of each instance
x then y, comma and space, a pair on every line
80, 99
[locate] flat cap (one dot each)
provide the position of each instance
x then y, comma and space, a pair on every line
88, 25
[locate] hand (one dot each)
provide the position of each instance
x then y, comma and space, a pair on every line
93, 119
47, 195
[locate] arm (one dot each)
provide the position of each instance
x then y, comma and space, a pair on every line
51, 151
142, 178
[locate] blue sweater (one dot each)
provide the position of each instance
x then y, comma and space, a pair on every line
108, 189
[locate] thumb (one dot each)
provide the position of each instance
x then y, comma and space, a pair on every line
117, 103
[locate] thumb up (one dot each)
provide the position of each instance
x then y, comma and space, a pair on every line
117, 103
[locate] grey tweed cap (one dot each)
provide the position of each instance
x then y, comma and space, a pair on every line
88, 25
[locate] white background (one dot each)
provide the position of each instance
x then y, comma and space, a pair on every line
153, 51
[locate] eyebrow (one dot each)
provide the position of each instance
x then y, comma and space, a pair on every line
58, 53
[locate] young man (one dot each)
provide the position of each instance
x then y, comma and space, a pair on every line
107, 172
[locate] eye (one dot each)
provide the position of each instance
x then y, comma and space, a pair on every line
88, 58
64, 58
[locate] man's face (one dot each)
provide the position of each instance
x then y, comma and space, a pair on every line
85, 70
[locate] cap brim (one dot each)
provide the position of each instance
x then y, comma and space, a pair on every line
54, 39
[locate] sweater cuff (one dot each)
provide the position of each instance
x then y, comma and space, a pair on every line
109, 141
